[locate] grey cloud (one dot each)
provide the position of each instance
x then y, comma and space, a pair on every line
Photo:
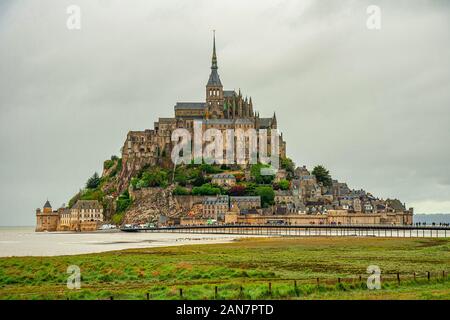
370, 105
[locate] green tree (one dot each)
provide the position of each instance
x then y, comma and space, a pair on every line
209, 168
74, 199
199, 179
288, 165
181, 178
237, 190
117, 218
180, 191
108, 164
92, 194
93, 182
206, 190
123, 202
322, 175
250, 189
134, 181
284, 184
255, 173
117, 168
267, 195
154, 178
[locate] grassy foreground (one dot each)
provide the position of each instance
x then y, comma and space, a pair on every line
262, 268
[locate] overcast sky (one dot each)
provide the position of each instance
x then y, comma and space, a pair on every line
373, 106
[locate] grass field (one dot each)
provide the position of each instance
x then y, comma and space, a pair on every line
241, 270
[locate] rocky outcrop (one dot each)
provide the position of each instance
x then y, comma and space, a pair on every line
150, 203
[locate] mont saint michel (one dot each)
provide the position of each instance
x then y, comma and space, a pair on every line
145, 187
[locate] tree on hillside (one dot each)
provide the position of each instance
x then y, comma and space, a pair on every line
153, 178
123, 202
267, 195
237, 190
206, 190
322, 175
284, 184
93, 182
288, 165
199, 180
255, 173
250, 189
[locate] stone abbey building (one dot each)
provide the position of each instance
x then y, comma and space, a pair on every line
222, 109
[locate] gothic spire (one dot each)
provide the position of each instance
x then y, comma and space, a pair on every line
214, 79
214, 57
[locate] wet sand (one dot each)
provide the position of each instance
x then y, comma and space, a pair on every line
26, 242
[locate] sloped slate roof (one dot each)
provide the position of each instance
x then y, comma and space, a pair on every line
190, 105
223, 176
214, 79
167, 120
395, 204
87, 204
283, 193
246, 198
265, 122
219, 121
229, 93
222, 199
244, 121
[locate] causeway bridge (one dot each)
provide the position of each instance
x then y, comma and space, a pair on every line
396, 231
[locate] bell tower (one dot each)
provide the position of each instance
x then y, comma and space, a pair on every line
214, 88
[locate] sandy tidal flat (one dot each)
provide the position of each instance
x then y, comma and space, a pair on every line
26, 242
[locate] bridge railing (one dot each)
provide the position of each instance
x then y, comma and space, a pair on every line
306, 230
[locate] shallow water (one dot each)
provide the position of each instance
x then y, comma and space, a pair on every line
23, 241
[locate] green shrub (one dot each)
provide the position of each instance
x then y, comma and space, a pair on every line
117, 168
108, 164
237, 190
250, 189
123, 202
153, 178
200, 180
206, 190
255, 173
92, 194
208, 168
283, 184
181, 178
134, 181
117, 218
74, 199
267, 195
180, 191
288, 165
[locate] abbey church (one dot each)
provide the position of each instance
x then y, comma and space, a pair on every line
222, 109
